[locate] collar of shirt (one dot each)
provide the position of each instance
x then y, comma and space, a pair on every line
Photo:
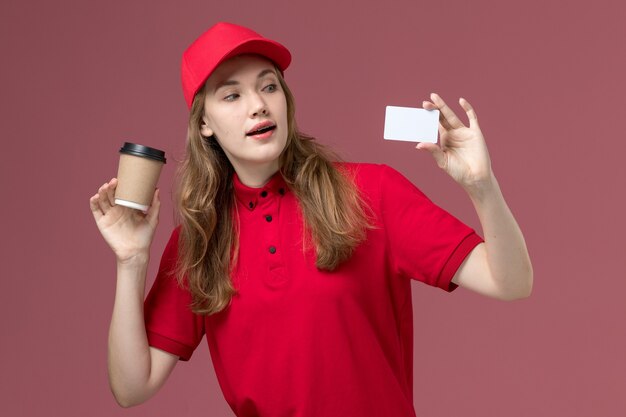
250, 197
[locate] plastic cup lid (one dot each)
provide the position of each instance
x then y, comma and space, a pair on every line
143, 151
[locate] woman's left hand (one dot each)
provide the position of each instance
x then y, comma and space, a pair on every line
462, 151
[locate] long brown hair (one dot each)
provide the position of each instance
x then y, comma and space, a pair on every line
333, 211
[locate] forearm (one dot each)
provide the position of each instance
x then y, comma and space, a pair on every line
129, 353
506, 252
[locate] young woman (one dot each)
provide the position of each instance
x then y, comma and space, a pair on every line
297, 268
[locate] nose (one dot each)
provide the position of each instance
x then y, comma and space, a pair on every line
258, 106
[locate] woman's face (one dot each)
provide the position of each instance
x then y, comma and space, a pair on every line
242, 95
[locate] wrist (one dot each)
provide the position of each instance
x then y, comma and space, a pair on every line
138, 260
131, 275
478, 191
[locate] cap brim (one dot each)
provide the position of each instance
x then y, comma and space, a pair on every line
266, 48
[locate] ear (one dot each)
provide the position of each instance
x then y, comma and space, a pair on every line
205, 130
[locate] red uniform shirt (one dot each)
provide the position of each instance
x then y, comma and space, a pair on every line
296, 341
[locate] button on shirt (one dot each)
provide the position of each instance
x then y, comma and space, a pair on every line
297, 341
260, 240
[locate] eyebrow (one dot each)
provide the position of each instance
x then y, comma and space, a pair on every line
234, 82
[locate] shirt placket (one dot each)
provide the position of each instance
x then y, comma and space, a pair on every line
269, 210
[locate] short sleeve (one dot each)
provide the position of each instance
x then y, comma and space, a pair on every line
425, 242
170, 324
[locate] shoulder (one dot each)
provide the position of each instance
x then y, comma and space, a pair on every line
365, 176
362, 173
367, 171
175, 236
360, 168
375, 179
170, 254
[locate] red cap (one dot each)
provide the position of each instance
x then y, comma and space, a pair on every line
220, 42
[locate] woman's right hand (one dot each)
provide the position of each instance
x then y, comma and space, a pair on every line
127, 231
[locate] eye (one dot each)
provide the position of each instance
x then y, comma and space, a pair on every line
231, 97
270, 88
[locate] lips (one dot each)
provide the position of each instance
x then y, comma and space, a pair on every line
261, 128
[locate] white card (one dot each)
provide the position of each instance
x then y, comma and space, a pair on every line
411, 124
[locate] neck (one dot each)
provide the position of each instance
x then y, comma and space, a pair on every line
256, 176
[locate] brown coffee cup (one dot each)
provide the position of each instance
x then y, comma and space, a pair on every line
137, 175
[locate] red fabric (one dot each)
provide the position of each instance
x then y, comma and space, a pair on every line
297, 341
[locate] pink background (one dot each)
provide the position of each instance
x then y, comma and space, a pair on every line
546, 78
